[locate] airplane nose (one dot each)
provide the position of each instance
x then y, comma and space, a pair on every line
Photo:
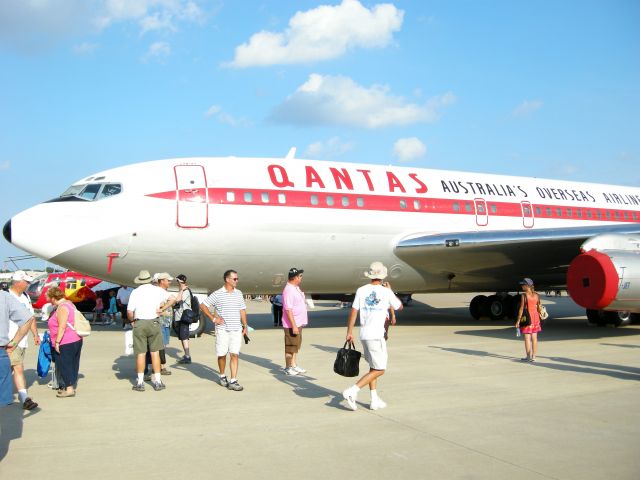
6, 231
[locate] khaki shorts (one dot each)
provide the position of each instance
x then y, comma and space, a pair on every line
17, 356
292, 343
375, 353
147, 332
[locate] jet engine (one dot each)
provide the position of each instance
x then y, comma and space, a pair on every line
606, 276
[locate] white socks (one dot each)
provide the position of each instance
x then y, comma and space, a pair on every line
374, 396
140, 378
157, 378
22, 395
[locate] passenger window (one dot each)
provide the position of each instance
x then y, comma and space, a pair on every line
589, 214
617, 214
282, 198
579, 213
569, 212
403, 204
467, 207
360, 202
329, 200
598, 214
626, 215
231, 197
345, 201
456, 207
538, 211
635, 217
314, 199
480, 208
559, 212
265, 197
90, 191
416, 204
548, 212
494, 208
608, 214
248, 197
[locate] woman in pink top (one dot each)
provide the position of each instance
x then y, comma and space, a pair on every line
531, 301
66, 343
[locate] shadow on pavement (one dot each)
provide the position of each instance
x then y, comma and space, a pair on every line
561, 363
302, 385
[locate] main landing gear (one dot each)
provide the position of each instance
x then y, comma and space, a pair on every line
602, 318
496, 307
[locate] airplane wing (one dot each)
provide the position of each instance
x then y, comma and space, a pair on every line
498, 259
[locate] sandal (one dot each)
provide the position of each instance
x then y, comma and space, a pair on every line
29, 404
65, 394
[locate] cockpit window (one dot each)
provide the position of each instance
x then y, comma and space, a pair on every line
89, 192
110, 189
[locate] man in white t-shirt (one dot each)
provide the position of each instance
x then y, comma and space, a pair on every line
19, 283
373, 302
146, 304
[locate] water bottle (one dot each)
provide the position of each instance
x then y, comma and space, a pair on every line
517, 332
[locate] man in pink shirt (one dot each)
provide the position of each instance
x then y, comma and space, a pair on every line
293, 319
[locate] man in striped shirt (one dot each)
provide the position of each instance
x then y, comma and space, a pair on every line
230, 318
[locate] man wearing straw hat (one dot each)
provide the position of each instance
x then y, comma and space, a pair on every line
373, 302
145, 305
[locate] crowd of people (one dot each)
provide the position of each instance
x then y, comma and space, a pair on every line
152, 310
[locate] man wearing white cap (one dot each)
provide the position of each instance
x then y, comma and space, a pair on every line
146, 304
373, 302
19, 283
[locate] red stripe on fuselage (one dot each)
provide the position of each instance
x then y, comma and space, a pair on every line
388, 203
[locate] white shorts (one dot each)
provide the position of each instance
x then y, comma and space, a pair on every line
227, 342
375, 353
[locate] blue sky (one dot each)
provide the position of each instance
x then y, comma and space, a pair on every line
543, 88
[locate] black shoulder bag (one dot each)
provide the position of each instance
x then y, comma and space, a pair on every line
347, 361
525, 320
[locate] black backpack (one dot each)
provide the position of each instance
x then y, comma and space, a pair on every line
191, 315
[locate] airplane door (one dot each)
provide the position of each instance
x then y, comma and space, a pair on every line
192, 196
527, 214
482, 216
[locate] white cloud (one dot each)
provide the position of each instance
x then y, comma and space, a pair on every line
36, 25
216, 111
338, 100
158, 51
332, 148
526, 108
322, 33
408, 149
85, 48
5, 165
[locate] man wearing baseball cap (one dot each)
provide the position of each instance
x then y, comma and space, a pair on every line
19, 283
294, 318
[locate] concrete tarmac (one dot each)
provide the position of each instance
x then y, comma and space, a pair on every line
460, 406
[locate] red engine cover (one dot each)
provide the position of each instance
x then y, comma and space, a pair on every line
592, 280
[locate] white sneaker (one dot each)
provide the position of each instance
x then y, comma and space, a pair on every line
299, 369
290, 371
350, 397
377, 405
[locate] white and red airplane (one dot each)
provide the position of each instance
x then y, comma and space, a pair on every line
437, 231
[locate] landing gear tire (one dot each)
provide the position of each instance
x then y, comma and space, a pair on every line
477, 305
496, 307
617, 319
595, 317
